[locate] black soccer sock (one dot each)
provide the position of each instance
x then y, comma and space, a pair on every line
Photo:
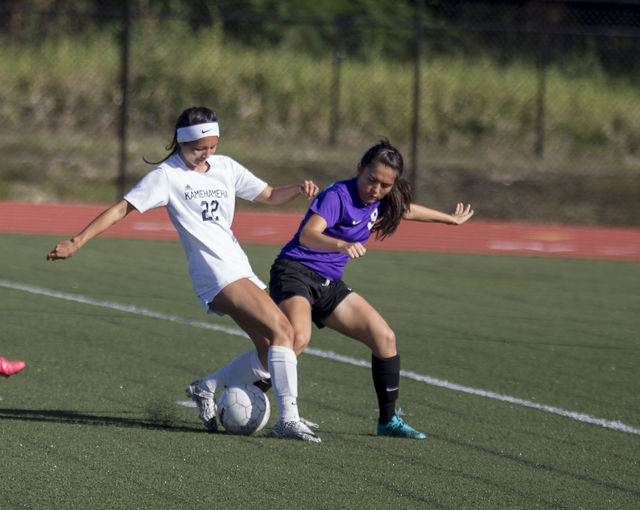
386, 380
264, 385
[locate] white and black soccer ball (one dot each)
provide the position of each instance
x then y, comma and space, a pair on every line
243, 409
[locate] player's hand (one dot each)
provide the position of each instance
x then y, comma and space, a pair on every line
461, 215
309, 189
63, 250
354, 250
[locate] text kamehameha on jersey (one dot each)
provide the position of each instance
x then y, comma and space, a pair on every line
191, 194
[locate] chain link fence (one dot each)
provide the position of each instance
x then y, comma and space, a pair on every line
528, 110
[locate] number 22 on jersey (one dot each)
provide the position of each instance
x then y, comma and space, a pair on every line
208, 210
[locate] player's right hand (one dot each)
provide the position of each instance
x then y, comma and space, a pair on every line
63, 250
354, 250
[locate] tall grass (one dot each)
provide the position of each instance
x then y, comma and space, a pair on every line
73, 83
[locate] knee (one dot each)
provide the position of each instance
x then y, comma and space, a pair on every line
300, 342
386, 343
390, 340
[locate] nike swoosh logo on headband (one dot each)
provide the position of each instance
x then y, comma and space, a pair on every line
203, 131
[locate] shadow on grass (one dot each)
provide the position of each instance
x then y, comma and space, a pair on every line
76, 418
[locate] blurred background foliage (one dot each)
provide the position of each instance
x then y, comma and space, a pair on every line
528, 109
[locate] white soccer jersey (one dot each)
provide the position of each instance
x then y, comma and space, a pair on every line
201, 207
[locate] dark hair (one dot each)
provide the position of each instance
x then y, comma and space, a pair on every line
189, 117
396, 203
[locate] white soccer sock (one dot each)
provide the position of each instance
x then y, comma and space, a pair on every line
246, 368
283, 365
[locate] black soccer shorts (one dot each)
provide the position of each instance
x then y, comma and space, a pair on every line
290, 278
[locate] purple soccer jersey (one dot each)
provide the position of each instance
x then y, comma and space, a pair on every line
347, 219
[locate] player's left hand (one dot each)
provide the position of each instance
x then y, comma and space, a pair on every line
309, 189
462, 214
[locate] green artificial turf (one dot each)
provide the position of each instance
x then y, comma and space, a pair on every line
92, 421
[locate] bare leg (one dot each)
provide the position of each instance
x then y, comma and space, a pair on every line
254, 311
356, 318
298, 311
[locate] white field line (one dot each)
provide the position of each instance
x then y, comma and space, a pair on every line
122, 308
615, 425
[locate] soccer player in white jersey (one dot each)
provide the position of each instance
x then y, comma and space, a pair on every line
199, 189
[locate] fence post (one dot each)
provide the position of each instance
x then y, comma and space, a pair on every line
542, 87
124, 84
335, 82
416, 99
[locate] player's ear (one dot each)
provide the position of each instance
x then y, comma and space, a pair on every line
359, 168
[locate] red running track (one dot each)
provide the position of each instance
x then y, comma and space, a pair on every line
478, 237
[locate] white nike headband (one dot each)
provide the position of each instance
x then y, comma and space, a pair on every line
197, 131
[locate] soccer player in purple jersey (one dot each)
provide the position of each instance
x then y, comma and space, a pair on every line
306, 278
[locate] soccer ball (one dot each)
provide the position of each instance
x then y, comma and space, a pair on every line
243, 409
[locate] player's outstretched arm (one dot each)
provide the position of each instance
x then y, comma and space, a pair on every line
66, 249
285, 194
420, 213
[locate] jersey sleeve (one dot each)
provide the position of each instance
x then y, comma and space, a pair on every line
328, 204
151, 192
248, 186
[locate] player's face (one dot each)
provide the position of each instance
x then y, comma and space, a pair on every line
195, 154
375, 182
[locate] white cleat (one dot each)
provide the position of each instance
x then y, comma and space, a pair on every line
206, 402
309, 424
294, 430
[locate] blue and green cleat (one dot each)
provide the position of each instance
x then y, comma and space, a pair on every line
398, 428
